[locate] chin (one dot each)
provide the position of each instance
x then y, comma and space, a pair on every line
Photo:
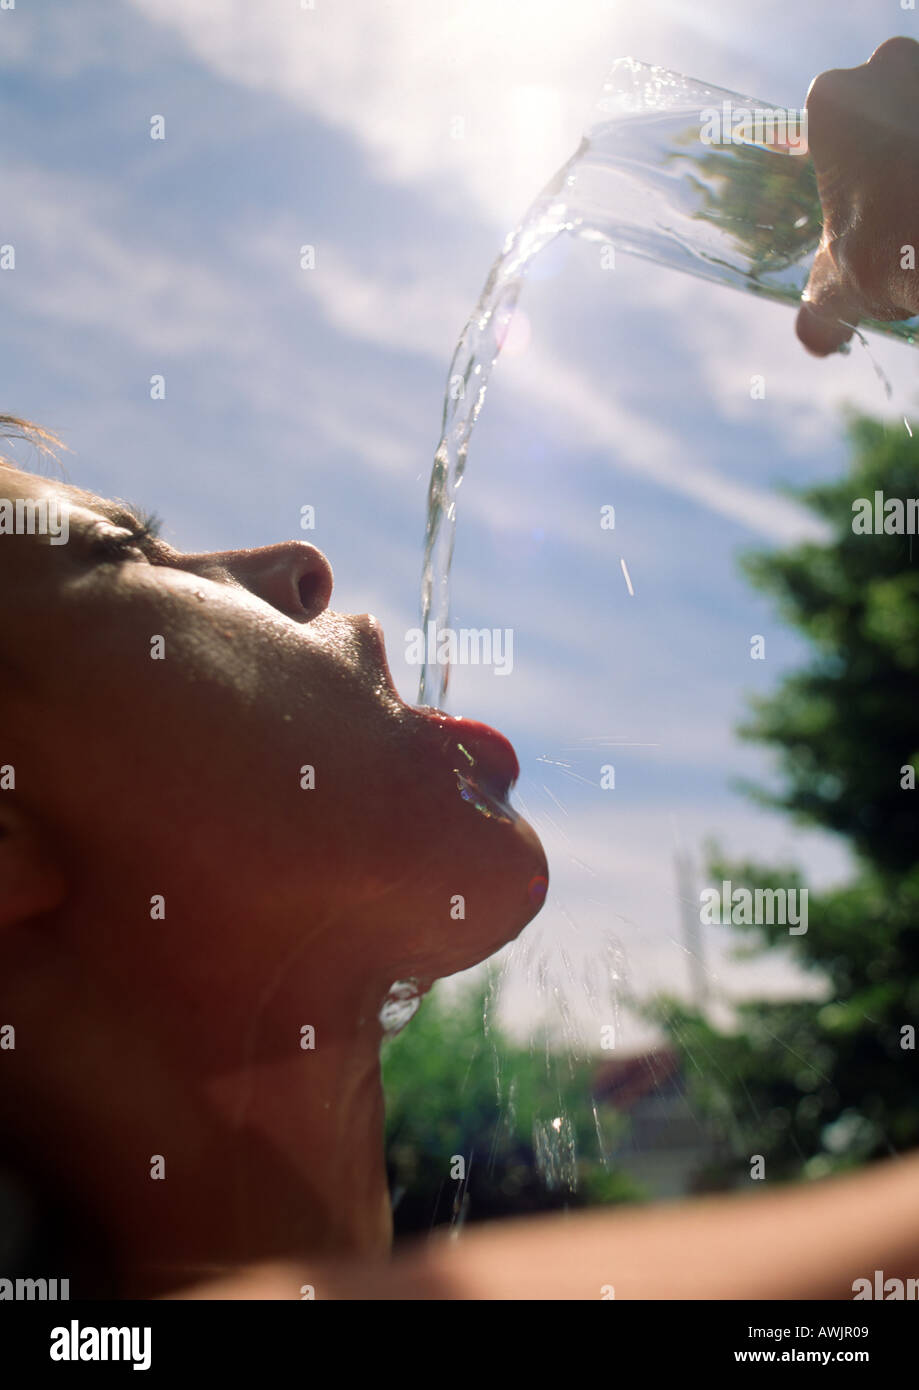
479, 905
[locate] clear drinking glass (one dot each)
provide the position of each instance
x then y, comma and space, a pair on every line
700, 179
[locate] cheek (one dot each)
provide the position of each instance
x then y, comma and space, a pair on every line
161, 661
214, 734
240, 759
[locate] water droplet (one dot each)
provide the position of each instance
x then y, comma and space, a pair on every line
399, 1006
553, 1142
538, 887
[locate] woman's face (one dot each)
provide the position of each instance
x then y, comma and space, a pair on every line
162, 712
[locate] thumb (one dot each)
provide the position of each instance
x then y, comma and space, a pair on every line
829, 310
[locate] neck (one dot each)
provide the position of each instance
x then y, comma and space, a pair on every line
281, 1154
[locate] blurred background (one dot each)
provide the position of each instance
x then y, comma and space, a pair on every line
159, 317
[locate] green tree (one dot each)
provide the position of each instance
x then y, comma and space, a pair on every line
818, 1085
522, 1121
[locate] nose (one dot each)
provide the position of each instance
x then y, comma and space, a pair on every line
295, 578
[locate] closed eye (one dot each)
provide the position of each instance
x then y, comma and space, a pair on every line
116, 545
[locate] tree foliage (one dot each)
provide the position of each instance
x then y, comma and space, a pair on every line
816, 1085
454, 1090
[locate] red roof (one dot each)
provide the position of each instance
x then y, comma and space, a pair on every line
625, 1080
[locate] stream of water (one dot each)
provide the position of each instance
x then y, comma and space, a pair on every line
744, 213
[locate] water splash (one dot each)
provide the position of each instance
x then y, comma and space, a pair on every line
879, 372
556, 1160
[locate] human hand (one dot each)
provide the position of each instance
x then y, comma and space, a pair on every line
863, 134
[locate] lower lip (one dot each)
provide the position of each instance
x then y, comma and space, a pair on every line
489, 765
485, 761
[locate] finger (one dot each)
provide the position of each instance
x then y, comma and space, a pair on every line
829, 310
820, 335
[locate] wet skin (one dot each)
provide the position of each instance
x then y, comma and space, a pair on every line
284, 907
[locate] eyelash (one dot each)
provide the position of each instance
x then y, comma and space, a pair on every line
116, 547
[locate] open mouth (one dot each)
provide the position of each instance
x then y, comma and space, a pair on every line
485, 756
483, 760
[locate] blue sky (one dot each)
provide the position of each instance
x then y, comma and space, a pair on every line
335, 126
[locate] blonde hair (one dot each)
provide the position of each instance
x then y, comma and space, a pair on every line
12, 427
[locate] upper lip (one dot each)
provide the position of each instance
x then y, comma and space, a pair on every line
370, 628
488, 758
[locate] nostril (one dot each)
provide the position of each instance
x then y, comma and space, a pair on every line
310, 588
314, 581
